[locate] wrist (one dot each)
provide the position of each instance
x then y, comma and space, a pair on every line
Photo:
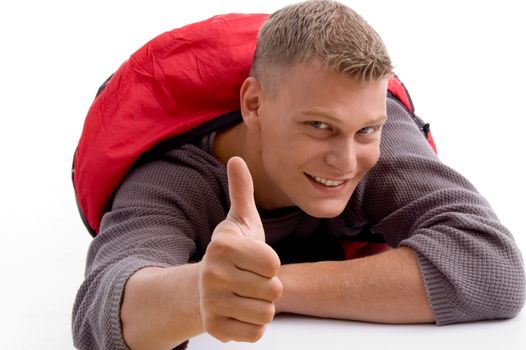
281, 304
152, 315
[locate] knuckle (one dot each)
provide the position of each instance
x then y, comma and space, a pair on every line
219, 247
223, 338
273, 264
269, 263
276, 289
267, 315
216, 330
254, 334
211, 275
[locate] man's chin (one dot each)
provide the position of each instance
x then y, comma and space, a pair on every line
324, 212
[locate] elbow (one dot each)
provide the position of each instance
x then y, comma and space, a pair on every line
488, 297
512, 293
509, 284
81, 329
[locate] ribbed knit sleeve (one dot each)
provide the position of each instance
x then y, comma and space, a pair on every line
154, 220
470, 264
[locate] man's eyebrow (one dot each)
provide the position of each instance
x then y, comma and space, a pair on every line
376, 120
318, 113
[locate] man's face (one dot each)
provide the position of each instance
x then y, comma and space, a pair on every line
319, 135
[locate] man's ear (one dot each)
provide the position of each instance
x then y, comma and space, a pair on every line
250, 99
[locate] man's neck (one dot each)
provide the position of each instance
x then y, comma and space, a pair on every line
235, 141
229, 142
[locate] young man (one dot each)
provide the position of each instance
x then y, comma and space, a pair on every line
213, 235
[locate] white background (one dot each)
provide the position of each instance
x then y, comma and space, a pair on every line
463, 61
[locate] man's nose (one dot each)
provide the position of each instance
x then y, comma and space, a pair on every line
342, 156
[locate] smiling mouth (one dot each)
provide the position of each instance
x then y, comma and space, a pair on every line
326, 182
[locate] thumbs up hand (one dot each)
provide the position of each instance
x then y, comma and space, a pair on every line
238, 282
243, 211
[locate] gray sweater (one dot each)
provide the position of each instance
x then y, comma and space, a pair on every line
165, 211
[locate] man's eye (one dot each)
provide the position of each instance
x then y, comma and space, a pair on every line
319, 125
368, 130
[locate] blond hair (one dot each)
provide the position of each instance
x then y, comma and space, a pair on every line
324, 32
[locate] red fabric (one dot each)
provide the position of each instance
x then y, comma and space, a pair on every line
397, 88
359, 249
431, 142
177, 81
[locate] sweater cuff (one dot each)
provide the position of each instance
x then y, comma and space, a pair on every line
121, 273
439, 293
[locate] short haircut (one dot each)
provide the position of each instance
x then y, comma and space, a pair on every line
324, 32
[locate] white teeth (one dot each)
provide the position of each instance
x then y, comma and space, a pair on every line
329, 183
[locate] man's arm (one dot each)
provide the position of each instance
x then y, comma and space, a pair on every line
147, 228
230, 293
385, 288
141, 293
157, 315
453, 260
468, 261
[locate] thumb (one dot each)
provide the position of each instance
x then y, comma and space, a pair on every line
242, 205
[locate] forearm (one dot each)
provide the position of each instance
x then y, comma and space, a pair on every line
160, 308
384, 288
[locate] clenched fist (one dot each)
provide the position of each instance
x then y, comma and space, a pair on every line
238, 283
